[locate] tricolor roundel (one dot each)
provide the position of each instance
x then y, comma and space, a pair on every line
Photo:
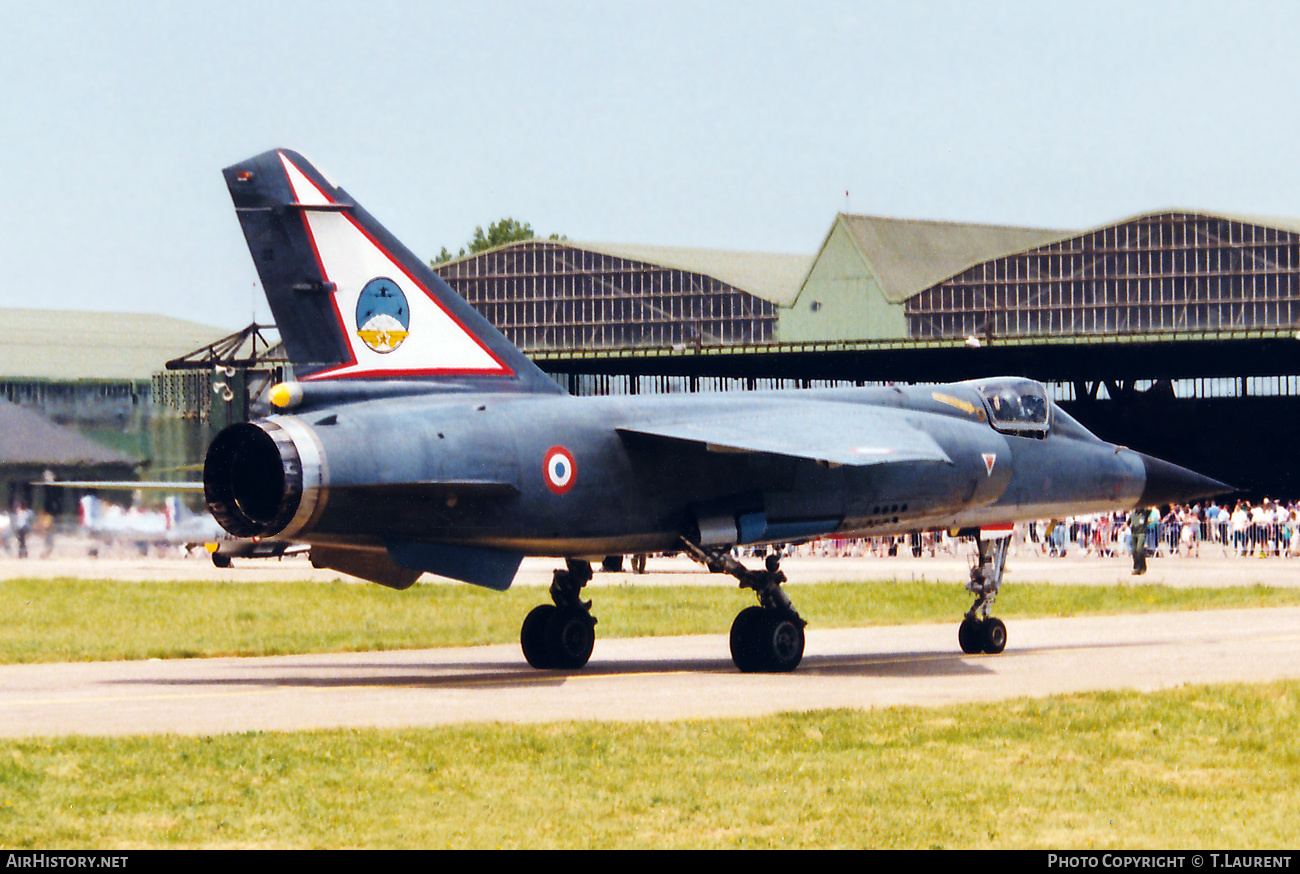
558, 470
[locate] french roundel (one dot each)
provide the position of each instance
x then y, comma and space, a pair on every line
559, 470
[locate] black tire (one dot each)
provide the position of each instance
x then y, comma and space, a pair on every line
782, 643
533, 636
767, 641
995, 636
612, 564
971, 636
744, 639
219, 560
570, 637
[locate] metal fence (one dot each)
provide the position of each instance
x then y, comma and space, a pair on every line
1103, 535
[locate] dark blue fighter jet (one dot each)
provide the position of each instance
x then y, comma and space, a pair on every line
415, 438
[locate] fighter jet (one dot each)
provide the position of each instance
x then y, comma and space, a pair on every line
414, 438
173, 525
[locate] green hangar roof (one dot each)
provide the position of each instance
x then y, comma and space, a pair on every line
64, 345
908, 256
869, 265
773, 277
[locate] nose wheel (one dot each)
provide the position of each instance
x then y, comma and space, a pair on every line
982, 635
979, 632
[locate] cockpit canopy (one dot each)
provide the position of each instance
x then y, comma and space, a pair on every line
1016, 406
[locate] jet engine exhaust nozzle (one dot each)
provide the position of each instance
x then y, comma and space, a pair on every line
253, 479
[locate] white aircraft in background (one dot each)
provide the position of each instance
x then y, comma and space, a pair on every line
173, 525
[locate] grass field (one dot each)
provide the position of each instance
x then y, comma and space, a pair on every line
1196, 767
84, 620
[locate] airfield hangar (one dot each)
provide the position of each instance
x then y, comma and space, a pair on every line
82, 396
1175, 332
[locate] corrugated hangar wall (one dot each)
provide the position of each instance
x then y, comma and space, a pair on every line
1169, 331
1170, 272
1166, 272
549, 295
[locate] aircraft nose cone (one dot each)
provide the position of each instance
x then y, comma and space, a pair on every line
1168, 483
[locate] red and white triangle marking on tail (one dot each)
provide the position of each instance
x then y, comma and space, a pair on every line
430, 342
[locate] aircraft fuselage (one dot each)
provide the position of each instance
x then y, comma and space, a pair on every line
565, 476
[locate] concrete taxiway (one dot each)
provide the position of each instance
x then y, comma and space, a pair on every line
664, 678
645, 679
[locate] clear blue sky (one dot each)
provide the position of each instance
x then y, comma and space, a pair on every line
727, 125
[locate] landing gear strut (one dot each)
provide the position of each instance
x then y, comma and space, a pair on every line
768, 638
561, 635
980, 632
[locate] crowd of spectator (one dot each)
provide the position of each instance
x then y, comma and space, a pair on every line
1265, 529
1268, 528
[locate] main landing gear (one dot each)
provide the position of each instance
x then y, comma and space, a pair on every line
561, 635
768, 638
764, 638
980, 632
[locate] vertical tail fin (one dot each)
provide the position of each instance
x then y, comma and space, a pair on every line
174, 511
88, 512
352, 302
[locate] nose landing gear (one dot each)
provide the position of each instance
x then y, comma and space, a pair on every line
979, 632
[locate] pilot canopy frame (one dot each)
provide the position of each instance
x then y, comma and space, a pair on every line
1016, 406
